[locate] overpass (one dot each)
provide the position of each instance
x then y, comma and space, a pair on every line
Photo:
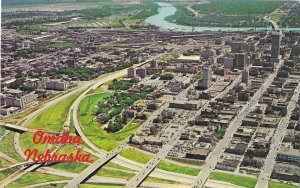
90, 170
23, 164
20, 129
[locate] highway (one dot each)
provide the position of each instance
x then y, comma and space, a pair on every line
87, 87
220, 147
102, 161
22, 129
267, 169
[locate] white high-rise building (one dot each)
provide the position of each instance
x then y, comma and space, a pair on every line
207, 78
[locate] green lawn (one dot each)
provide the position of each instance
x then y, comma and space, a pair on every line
114, 173
219, 13
136, 156
4, 163
178, 168
234, 179
92, 128
2, 130
157, 180
7, 146
73, 149
113, 165
70, 167
27, 143
238, 7
280, 185
34, 178
99, 90
53, 118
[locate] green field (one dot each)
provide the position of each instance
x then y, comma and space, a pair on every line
4, 163
238, 7
135, 155
290, 18
67, 149
219, 13
151, 179
280, 185
7, 147
2, 131
114, 173
94, 131
178, 168
34, 178
53, 118
234, 179
113, 165
26, 142
70, 167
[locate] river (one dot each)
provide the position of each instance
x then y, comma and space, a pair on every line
167, 9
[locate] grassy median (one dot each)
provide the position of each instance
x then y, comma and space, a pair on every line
171, 167
7, 146
234, 179
34, 178
136, 156
54, 117
280, 185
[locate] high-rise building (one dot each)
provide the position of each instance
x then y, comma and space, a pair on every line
245, 76
141, 72
236, 46
240, 61
275, 48
228, 63
153, 64
207, 78
131, 72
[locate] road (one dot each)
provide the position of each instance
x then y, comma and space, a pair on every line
121, 182
220, 147
18, 174
150, 166
267, 169
88, 86
102, 161
139, 178
185, 179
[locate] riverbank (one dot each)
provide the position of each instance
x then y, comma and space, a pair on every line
166, 10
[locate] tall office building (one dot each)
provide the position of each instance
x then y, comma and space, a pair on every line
275, 48
245, 76
153, 64
240, 61
141, 72
131, 72
228, 62
207, 78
